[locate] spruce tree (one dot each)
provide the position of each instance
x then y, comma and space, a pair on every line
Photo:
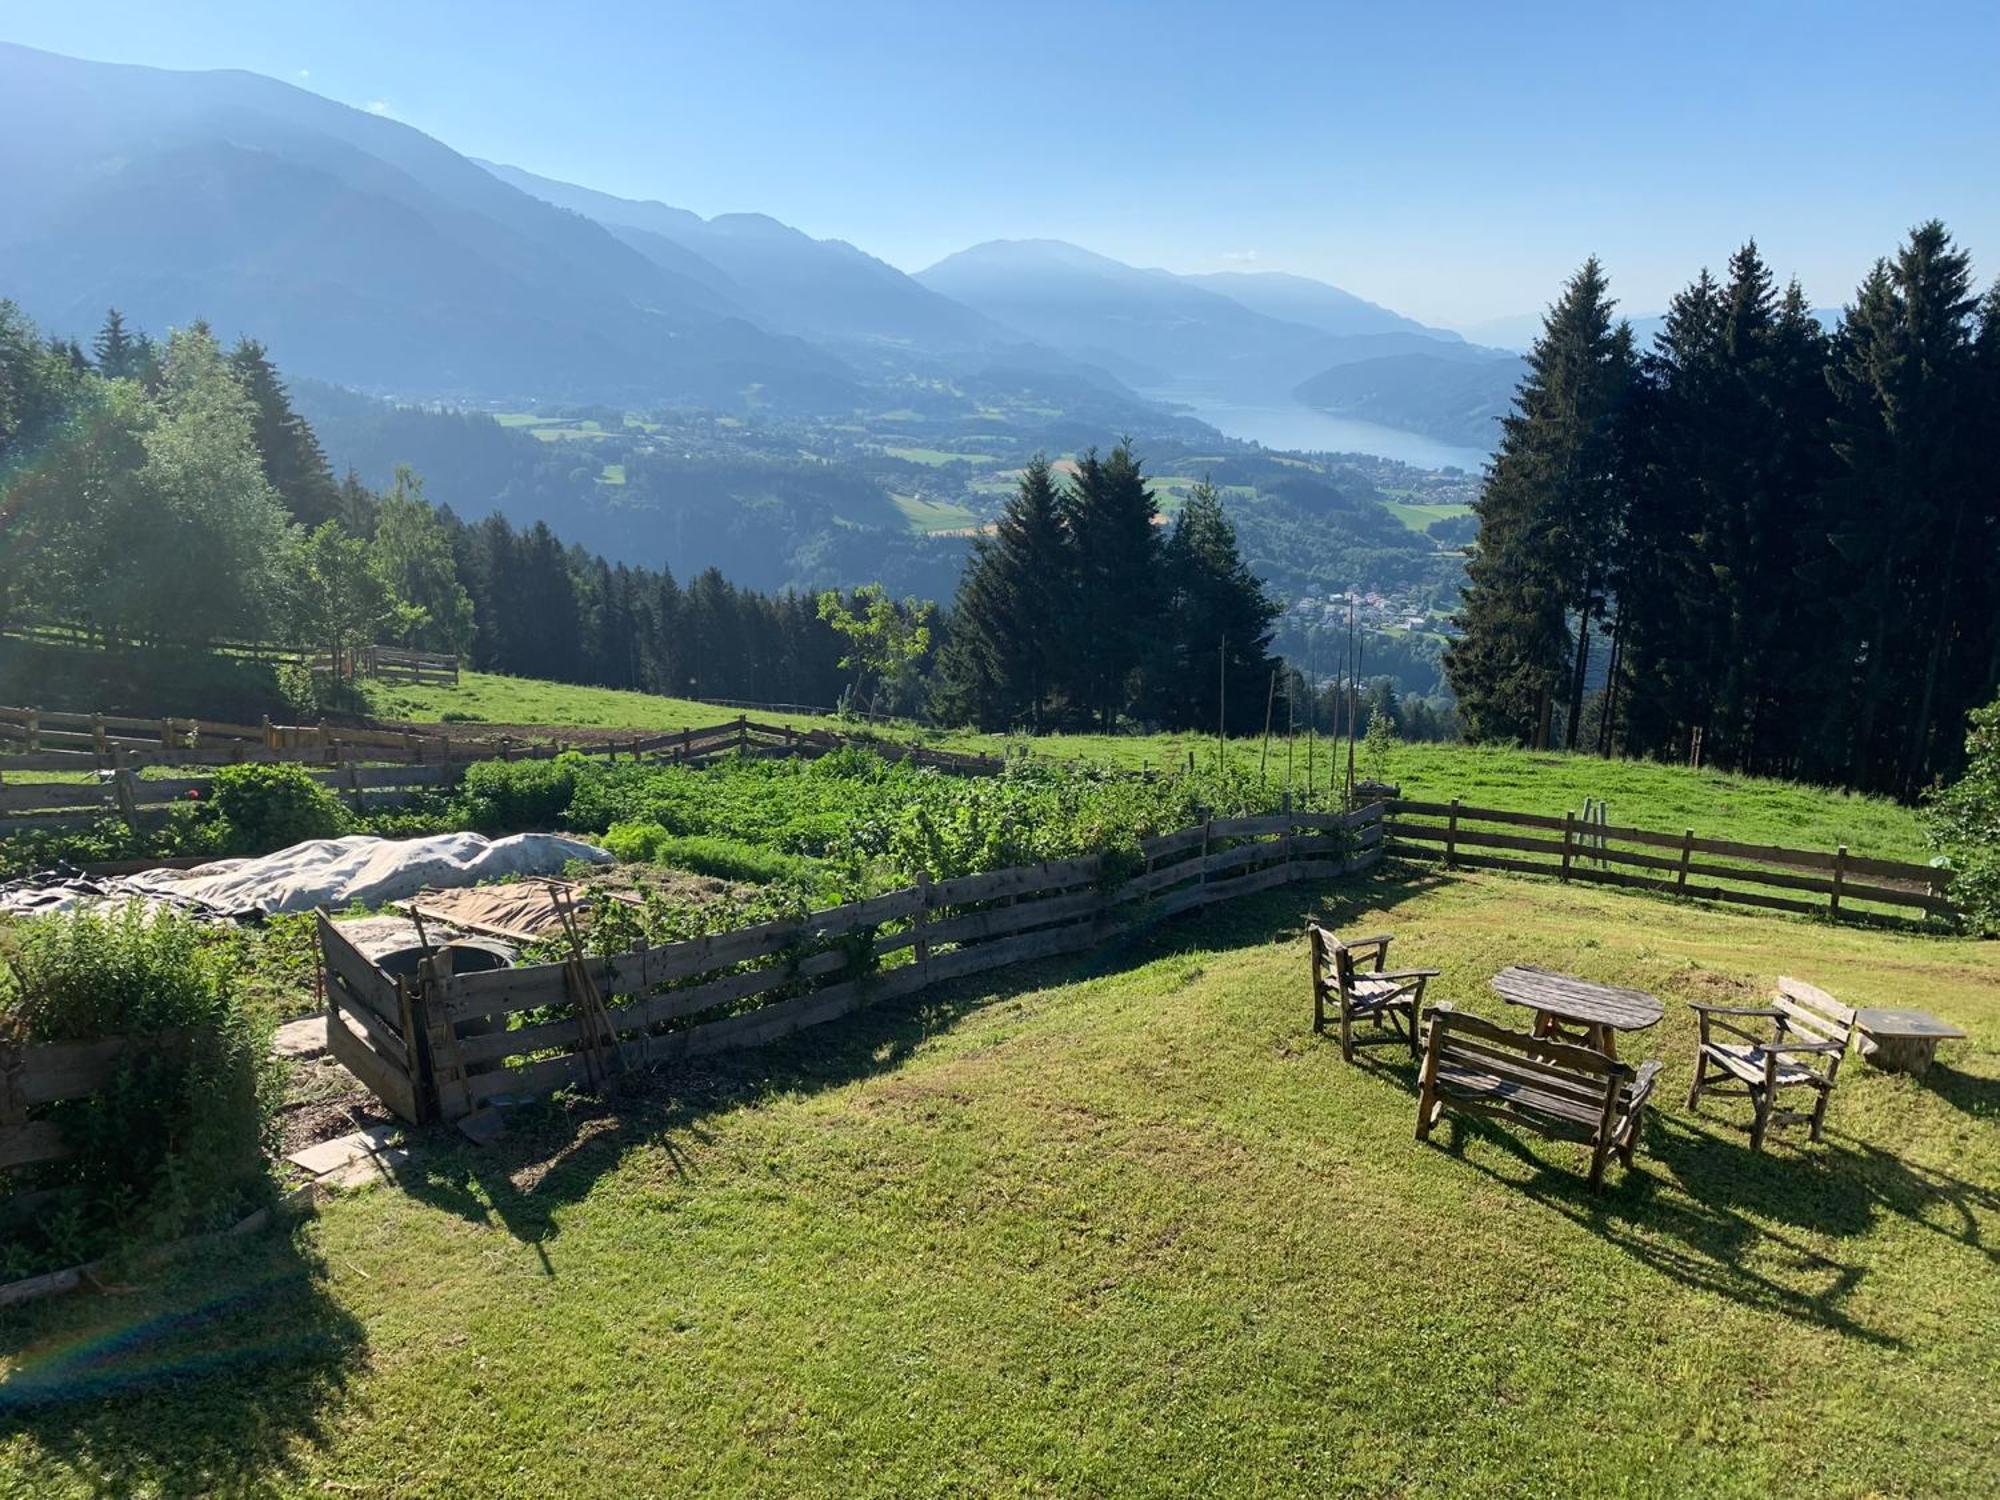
1548, 519
1120, 581
1903, 503
294, 462
115, 350
1008, 633
1220, 621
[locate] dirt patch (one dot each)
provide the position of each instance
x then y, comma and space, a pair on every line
324, 1100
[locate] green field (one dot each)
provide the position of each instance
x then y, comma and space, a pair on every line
930, 516
1117, 1226
1423, 517
938, 457
1638, 793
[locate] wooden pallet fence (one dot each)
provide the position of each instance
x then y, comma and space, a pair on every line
1838, 885
47, 1073
371, 1024
475, 1038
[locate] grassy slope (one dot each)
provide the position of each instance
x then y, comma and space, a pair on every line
1137, 1232
1642, 794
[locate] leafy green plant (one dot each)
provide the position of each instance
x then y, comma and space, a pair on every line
266, 807
1963, 820
174, 1142
705, 854
503, 796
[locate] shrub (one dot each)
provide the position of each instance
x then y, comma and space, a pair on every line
503, 796
266, 807
175, 1142
1964, 821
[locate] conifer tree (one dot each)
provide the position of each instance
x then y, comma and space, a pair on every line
294, 462
115, 350
1548, 517
1218, 636
1120, 583
1008, 629
1903, 505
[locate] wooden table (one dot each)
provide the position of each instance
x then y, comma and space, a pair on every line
1568, 1009
1904, 1041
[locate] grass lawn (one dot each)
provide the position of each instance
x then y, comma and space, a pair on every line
1115, 1226
494, 699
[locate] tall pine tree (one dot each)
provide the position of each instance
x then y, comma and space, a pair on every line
1548, 518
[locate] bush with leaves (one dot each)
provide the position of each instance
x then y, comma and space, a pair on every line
499, 796
175, 1143
1964, 822
266, 807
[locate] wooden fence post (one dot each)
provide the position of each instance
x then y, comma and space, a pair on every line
1451, 838
34, 728
1687, 853
1569, 830
1839, 876
121, 788
1207, 823
920, 947
97, 740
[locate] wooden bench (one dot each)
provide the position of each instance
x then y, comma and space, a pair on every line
1561, 1089
1389, 1002
1810, 1032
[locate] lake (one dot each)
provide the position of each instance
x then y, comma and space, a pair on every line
1290, 424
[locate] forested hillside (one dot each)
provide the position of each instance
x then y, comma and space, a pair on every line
170, 495
1756, 544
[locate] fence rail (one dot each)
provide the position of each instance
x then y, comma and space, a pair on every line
442, 1045
362, 760
48, 1073
1852, 887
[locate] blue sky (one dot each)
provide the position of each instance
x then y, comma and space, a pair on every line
1453, 161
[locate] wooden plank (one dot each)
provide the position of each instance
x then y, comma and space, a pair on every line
653, 1010
1476, 814
46, 795
385, 1035
1021, 880
383, 1078
1477, 838
50, 1071
978, 957
1261, 852
48, 760
1236, 828
368, 984
997, 921
36, 1141
1168, 844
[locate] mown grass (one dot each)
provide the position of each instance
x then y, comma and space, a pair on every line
1639, 793
1119, 1226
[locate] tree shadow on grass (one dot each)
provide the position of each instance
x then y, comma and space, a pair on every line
199, 1379
553, 1151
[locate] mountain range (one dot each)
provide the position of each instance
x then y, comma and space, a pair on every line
364, 252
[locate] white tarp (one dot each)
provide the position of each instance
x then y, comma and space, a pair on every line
324, 872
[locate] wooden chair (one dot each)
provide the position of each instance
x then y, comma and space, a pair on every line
1390, 1002
1558, 1088
1810, 1033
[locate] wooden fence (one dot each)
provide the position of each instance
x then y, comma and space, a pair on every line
1839, 885
33, 1076
374, 766
394, 664
442, 1045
